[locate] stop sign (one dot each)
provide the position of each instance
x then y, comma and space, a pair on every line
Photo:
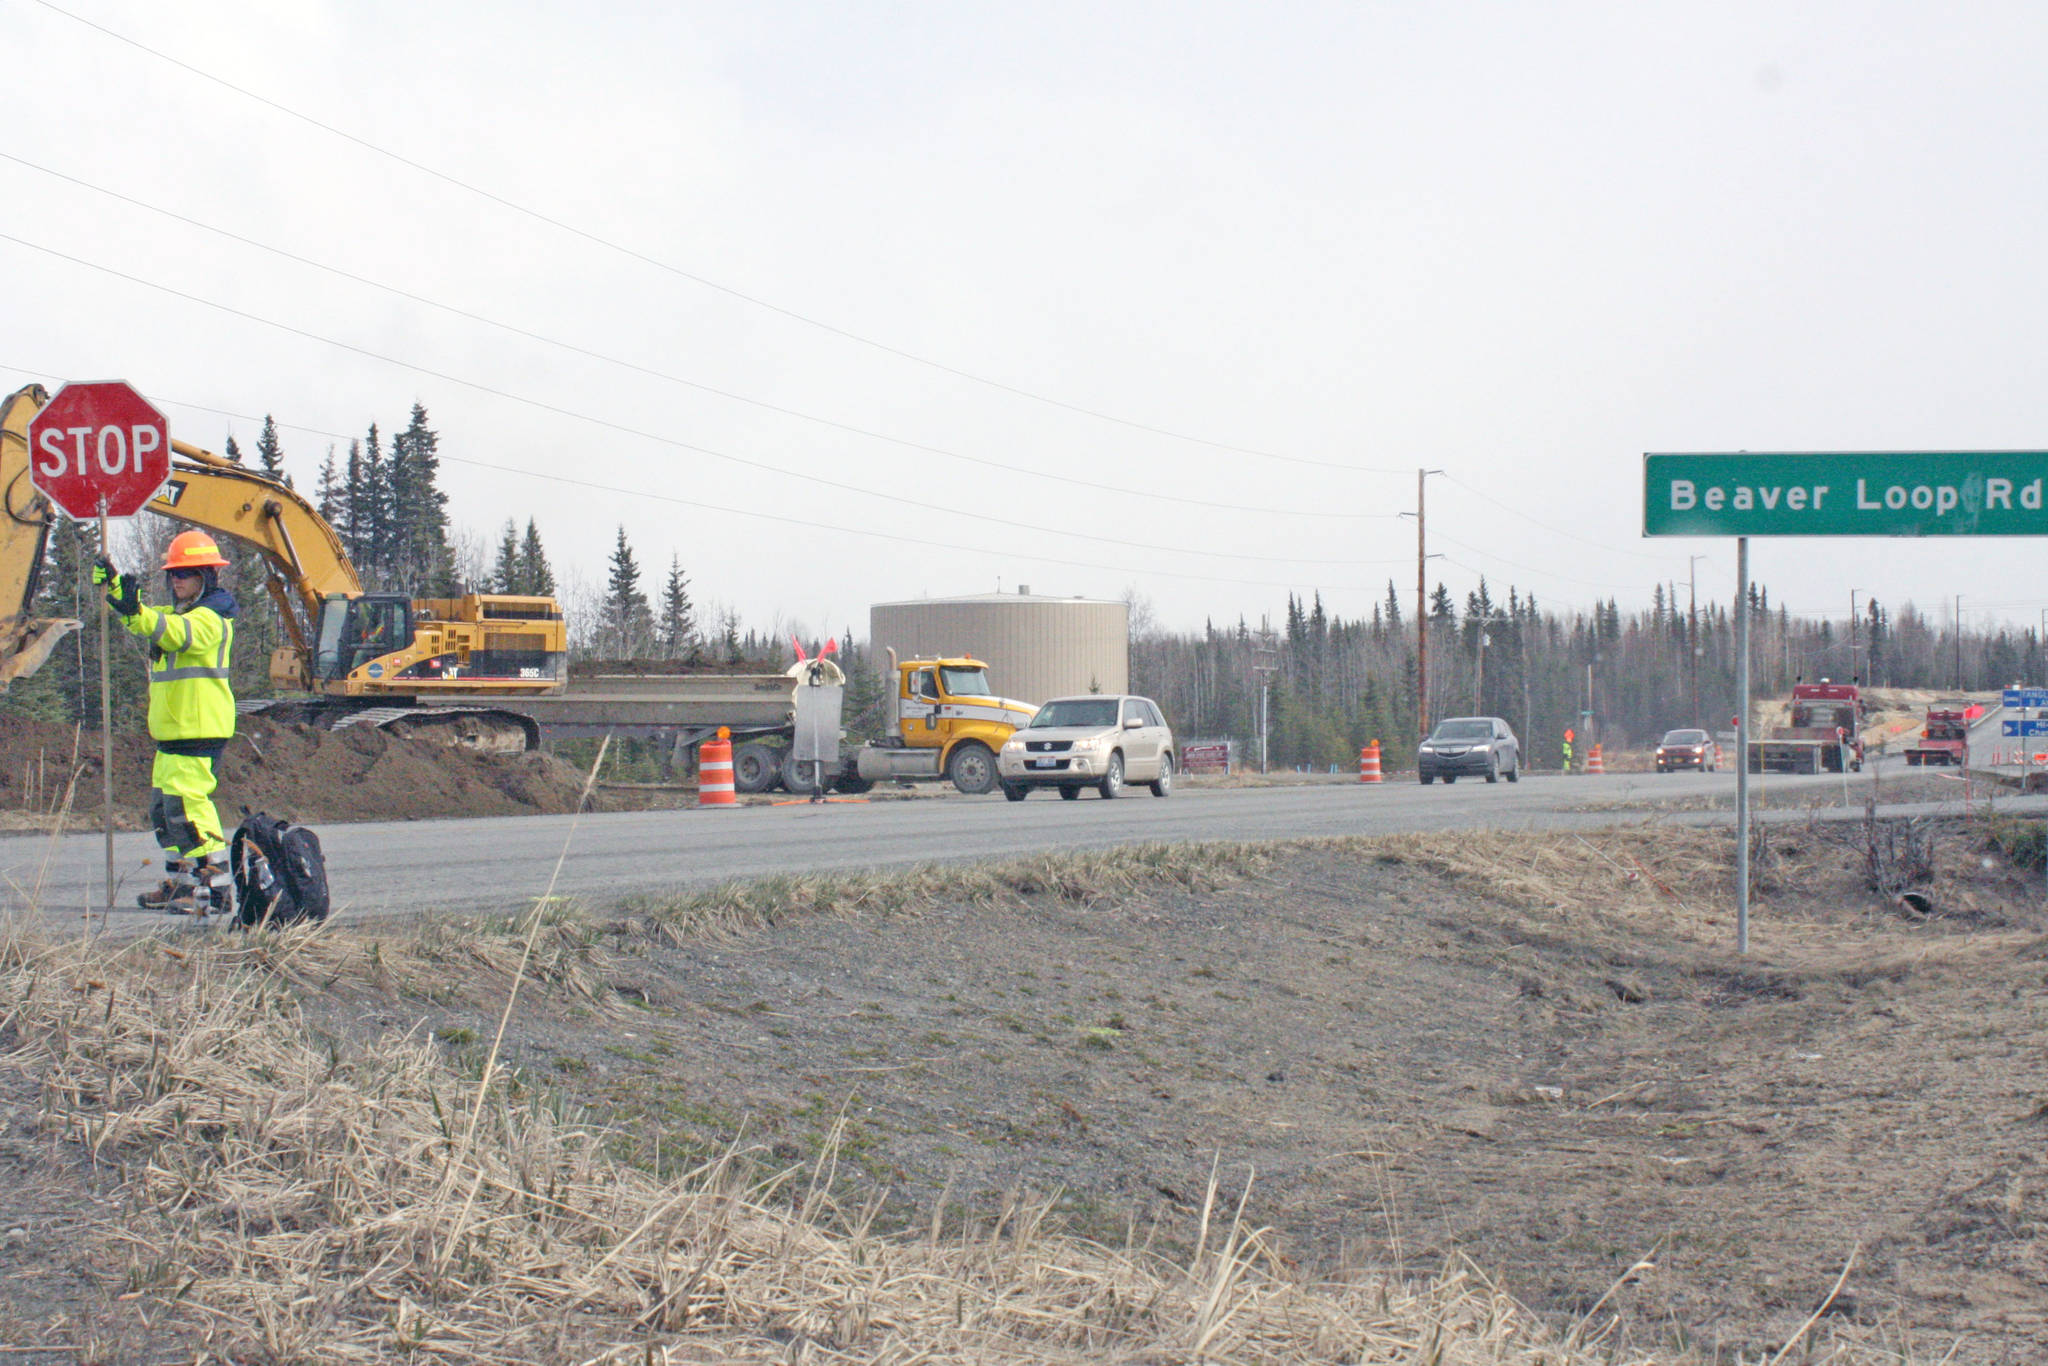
99, 449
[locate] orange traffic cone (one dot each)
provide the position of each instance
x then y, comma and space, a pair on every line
714, 771
1369, 763
1593, 761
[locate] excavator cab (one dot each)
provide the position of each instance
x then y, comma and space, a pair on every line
354, 631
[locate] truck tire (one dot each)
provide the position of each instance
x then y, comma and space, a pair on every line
971, 768
799, 778
851, 783
755, 767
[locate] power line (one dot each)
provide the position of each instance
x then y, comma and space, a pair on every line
1555, 531
664, 375
701, 280
679, 444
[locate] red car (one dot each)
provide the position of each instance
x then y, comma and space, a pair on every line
1688, 749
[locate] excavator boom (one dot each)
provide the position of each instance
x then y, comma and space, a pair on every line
25, 518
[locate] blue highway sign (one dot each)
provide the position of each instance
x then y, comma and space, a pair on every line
2030, 728
2026, 697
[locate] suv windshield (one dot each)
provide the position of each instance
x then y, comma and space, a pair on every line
1463, 730
1077, 711
1685, 737
965, 682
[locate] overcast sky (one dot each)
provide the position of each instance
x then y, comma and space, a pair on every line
853, 303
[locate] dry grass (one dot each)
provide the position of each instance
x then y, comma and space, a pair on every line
300, 1199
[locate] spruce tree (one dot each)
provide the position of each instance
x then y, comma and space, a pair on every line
627, 616
418, 550
370, 514
331, 492
270, 452
535, 578
505, 569
678, 616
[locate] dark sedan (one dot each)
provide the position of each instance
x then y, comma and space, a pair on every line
1469, 746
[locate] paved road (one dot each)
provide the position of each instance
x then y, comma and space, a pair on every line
502, 863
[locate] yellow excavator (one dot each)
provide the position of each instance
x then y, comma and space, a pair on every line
352, 651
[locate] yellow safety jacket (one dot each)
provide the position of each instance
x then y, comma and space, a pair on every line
189, 694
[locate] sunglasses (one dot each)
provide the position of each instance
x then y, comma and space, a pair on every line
184, 573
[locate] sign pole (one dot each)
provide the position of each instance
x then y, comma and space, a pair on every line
106, 726
1742, 744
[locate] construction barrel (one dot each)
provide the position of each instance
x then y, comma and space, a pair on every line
1593, 764
1369, 763
714, 771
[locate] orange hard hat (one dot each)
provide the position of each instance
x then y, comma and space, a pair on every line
193, 550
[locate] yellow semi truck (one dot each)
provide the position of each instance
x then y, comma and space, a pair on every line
948, 723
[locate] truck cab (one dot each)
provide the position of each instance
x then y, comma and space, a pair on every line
948, 723
1825, 734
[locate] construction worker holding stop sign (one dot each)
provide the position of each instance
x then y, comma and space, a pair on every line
191, 716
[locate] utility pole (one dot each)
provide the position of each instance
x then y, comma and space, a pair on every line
1421, 613
1692, 632
1265, 659
1959, 644
1855, 676
1421, 609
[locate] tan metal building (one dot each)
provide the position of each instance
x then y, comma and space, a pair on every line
1035, 647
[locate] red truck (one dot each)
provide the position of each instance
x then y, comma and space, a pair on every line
1825, 736
1944, 738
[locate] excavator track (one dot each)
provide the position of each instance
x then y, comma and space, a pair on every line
483, 729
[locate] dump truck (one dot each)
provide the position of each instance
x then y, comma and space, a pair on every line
1944, 739
1825, 734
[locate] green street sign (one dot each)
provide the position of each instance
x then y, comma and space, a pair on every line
1849, 493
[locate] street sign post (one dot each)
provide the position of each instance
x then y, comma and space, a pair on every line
97, 451
1846, 493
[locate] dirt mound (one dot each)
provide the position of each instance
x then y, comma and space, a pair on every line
312, 775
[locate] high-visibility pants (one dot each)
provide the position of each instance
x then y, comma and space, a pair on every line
181, 805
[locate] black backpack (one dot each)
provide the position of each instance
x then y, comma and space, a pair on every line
280, 873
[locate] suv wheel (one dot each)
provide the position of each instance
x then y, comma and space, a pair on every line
1427, 778
1162, 786
1493, 770
1112, 777
1068, 792
1515, 773
1016, 792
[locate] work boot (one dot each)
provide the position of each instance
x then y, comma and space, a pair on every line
205, 889
177, 874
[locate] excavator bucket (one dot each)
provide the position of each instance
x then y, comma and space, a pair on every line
24, 645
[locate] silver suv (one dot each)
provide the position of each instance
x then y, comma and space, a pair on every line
1466, 746
1097, 740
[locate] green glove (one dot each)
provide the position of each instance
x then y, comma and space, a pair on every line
121, 594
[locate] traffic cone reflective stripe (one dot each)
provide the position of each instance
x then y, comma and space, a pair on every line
714, 774
1369, 763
